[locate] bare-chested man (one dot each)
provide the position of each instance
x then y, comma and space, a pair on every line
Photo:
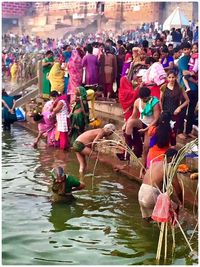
152, 186
149, 109
85, 142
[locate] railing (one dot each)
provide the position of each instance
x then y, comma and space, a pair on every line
21, 89
26, 98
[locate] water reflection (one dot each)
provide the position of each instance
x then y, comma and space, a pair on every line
104, 222
60, 213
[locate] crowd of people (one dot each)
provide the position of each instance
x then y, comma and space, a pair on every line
23, 51
155, 83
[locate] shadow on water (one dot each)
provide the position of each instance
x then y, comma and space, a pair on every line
104, 222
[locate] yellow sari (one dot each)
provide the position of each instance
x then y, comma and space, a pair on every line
91, 98
56, 78
94, 122
13, 72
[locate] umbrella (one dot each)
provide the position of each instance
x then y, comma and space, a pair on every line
177, 20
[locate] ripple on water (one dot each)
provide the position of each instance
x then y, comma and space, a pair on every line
103, 226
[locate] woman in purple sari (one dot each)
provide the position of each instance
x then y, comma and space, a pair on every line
127, 61
91, 65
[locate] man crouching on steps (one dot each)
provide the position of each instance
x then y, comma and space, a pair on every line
85, 142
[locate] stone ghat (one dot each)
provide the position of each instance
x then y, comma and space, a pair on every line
113, 114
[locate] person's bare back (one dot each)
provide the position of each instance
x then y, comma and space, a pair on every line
88, 137
84, 144
154, 176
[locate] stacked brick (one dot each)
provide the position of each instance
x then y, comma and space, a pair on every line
134, 13
14, 9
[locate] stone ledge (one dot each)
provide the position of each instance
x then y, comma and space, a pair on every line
109, 107
132, 172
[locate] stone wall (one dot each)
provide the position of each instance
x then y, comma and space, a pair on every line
14, 9
133, 12
119, 15
67, 7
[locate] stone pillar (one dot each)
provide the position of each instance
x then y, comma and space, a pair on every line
195, 11
121, 16
99, 22
40, 76
118, 17
85, 10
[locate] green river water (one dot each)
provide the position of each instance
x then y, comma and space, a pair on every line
102, 227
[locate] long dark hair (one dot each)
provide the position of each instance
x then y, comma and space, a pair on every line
4, 93
176, 90
80, 52
163, 131
134, 70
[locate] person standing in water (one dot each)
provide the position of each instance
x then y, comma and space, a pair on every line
64, 184
152, 186
85, 143
8, 111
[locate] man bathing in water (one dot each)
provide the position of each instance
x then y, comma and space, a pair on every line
152, 186
85, 143
63, 184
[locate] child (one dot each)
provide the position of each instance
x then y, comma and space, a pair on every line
63, 184
85, 142
192, 75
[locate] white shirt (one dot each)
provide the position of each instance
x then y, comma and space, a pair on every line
147, 120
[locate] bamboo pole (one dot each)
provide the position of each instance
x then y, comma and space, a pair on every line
174, 242
160, 241
169, 173
166, 229
184, 235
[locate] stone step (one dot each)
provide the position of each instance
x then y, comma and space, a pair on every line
108, 112
108, 157
109, 108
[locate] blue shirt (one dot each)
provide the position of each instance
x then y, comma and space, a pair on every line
196, 36
183, 65
169, 59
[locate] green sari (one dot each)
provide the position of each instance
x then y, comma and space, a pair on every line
46, 86
79, 121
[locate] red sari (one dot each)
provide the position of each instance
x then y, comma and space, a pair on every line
155, 90
127, 96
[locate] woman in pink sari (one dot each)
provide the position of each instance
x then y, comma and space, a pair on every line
75, 69
46, 127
